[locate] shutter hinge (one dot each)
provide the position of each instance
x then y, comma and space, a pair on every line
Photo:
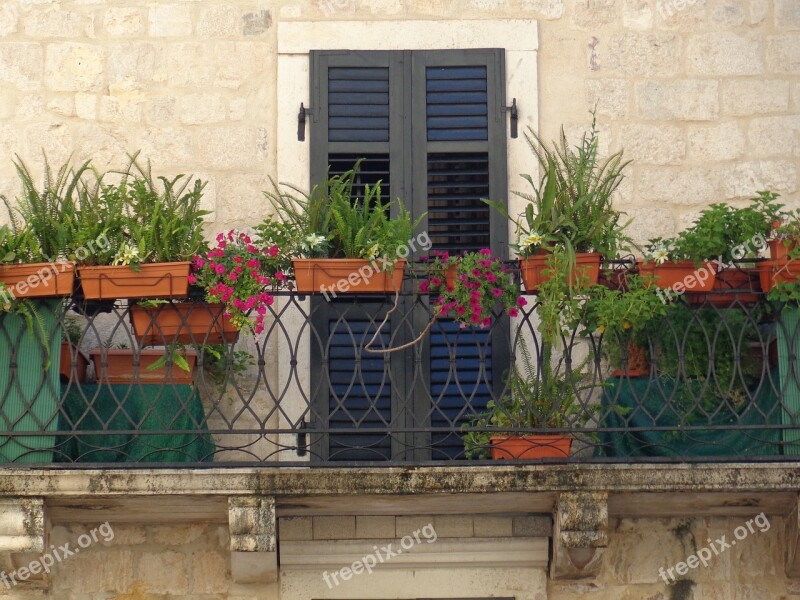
514, 117
301, 123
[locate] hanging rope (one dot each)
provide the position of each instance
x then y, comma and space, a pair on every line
413, 342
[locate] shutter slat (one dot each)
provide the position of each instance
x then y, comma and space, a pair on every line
358, 104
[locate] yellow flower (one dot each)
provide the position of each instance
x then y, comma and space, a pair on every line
626, 325
601, 329
534, 239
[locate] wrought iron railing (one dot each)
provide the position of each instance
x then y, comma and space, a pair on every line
714, 380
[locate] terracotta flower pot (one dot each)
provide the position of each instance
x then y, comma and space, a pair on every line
683, 274
37, 280
117, 366
153, 280
638, 363
531, 446
587, 264
334, 276
780, 251
182, 322
68, 350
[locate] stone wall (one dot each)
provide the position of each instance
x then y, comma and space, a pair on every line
704, 95
192, 562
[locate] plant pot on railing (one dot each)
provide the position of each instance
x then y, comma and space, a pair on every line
532, 268
778, 271
38, 280
736, 286
779, 250
637, 362
151, 280
527, 447
182, 322
681, 276
68, 351
334, 276
118, 366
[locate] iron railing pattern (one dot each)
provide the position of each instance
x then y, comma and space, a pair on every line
722, 384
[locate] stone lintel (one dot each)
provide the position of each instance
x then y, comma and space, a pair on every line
580, 535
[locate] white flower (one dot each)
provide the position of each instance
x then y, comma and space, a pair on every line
373, 252
659, 255
127, 255
533, 239
313, 240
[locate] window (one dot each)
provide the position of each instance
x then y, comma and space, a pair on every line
430, 125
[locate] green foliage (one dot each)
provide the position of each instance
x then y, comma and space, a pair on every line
18, 247
48, 212
571, 206
722, 231
164, 221
331, 222
540, 397
221, 362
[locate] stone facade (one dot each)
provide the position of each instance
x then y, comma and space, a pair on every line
703, 94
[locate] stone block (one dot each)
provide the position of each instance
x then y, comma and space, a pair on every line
169, 20
177, 535
295, 529
375, 526
678, 185
678, 100
201, 108
747, 97
164, 571
783, 54
455, 526
747, 178
548, 10
209, 573
218, 21
334, 528
594, 13
75, 67
644, 54
236, 147
21, 64
787, 14
610, 96
724, 54
774, 136
492, 526
53, 24
637, 14
653, 144
9, 15
725, 141
121, 21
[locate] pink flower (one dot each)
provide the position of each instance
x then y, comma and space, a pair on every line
252, 263
497, 292
424, 287
219, 269
521, 302
274, 250
199, 261
475, 318
192, 278
491, 277
486, 322
485, 251
484, 263
237, 259
460, 310
223, 244
513, 312
435, 281
280, 276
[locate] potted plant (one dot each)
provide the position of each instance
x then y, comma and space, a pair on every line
471, 287
569, 209
543, 399
36, 246
154, 231
343, 243
162, 323
721, 235
620, 317
123, 365
234, 275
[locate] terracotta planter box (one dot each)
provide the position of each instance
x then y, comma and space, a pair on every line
39, 280
738, 287
776, 271
182, 322
154, 280
531, 447
69, 350
532, 268
638, 363
670, 274
334, 276
119, 367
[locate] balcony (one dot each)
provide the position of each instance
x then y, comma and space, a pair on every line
719, 383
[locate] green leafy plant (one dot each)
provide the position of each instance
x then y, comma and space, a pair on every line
221, 362
333, 222
570, 208
48, 212
722, 232
481, 283
546, 397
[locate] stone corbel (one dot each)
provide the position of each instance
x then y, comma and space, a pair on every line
254, 548
22, 540
580, 535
